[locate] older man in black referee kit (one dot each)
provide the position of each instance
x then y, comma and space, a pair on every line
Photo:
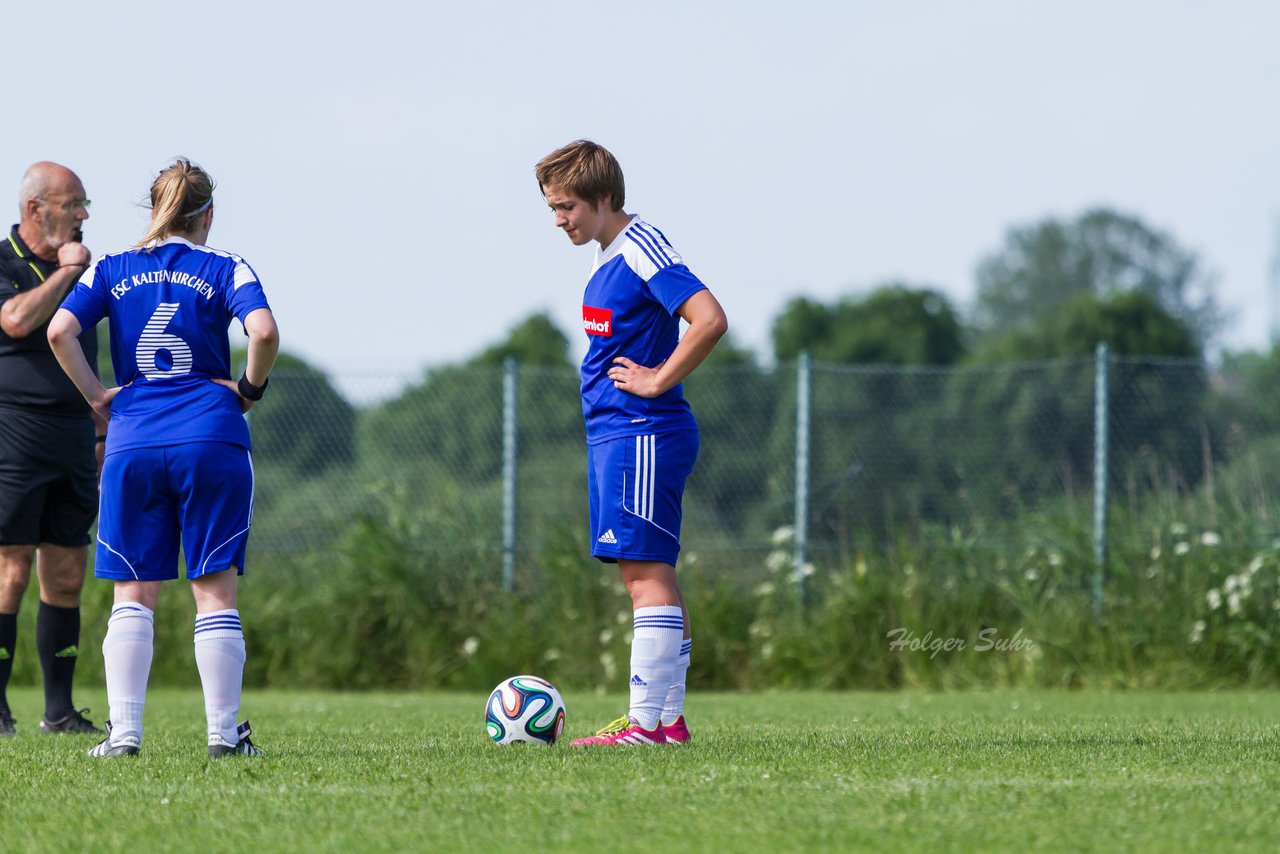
48, 480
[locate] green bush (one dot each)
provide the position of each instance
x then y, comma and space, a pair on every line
411, 597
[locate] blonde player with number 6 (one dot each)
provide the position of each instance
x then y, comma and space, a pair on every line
178, 468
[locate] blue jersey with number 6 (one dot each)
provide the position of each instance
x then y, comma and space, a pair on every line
169, 306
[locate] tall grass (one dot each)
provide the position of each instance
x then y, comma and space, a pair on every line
383, 605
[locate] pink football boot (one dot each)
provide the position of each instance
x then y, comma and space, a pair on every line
623, 732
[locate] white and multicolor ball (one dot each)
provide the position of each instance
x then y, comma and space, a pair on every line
524, 709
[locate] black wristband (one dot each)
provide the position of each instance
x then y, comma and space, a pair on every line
248, 390
99, 439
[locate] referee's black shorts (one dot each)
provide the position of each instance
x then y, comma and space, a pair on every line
48, 479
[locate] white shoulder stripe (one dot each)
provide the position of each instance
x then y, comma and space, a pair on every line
661, 239
244, 275
650, 245
86, 278
644, 249
219, 252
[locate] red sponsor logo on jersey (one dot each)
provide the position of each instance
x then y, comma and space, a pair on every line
597, 321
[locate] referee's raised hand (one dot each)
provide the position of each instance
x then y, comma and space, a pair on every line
74, 254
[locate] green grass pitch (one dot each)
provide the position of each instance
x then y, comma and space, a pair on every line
985, 771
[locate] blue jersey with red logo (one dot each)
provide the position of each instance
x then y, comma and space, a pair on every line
629, 309
169, 306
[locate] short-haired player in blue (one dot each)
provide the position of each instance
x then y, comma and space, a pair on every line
642, 438
178, 468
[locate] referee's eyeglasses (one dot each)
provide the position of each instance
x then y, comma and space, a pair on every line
71, 206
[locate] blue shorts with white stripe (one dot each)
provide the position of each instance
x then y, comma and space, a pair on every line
635, 487
197, 495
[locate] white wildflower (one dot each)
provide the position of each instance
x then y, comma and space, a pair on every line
551, 654
765, 589
1254, 566
606, 636
1229, 584
766, 651
1055, 558
1181, 548
1030, 574
1213, 599
1178, 529
623, 617
1197, 632
802, 573
1155, 552
777, 561
1233, 604
783, 535
470, 645
1210, 539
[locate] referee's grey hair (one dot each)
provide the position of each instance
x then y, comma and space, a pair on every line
179, 194
35, 183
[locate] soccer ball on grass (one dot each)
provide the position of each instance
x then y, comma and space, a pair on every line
524, 709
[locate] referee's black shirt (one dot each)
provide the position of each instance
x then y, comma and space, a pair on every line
30, 377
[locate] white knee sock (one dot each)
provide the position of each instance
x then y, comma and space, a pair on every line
220, 659
674, 706
126, 653
655, 646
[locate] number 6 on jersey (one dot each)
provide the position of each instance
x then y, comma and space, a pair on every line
154, 339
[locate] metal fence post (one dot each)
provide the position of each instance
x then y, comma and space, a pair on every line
1101, 470
804, 371
510, 378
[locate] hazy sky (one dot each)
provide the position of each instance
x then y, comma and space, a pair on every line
375, 161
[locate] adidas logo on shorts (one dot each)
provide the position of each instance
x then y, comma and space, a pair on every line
608, 537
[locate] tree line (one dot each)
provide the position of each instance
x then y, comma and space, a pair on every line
919, 370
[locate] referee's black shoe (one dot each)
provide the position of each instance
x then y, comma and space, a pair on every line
72, 722
6, 724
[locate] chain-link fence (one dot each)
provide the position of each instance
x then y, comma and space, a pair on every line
490, 462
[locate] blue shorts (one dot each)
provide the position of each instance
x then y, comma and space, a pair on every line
635, 485
199, 495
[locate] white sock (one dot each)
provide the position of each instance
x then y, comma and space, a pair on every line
674, 706
126, 653
655, 646
220, 659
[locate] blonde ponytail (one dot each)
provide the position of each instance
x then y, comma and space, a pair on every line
179, 194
